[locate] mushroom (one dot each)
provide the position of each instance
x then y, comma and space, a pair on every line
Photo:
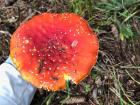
51, 48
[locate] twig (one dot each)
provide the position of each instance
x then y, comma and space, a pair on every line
127, 96
75, 100
132, 77
130, 67
8, 7
48, 99
5, 32
117, 94
122, 89
31, 15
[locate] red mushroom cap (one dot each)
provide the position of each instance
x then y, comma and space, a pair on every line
52, 48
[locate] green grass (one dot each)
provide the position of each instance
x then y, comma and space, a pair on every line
107, 12
82, 7
121, 12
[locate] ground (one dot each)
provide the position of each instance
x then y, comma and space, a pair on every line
115, 79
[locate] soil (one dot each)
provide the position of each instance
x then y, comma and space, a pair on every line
118, 60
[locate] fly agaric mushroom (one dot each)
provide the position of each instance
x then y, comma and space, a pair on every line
52, 48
